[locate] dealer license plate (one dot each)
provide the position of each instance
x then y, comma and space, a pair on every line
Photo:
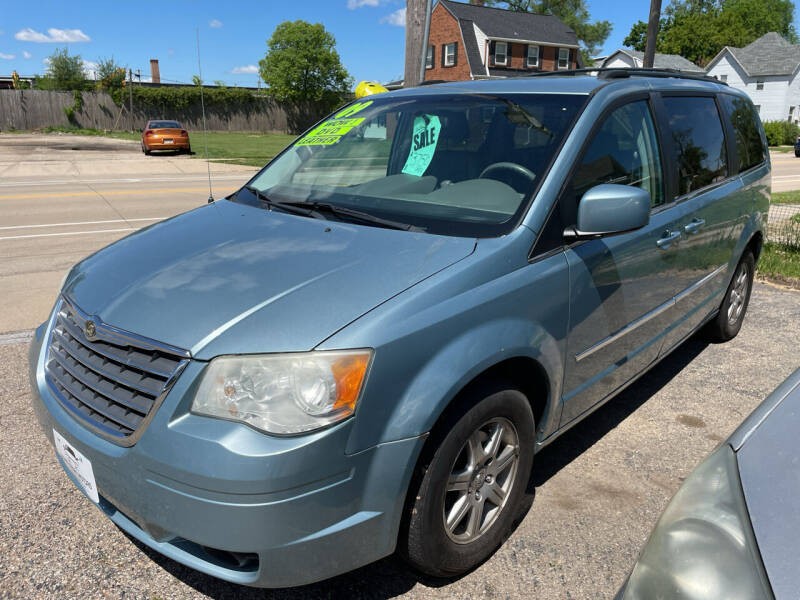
77, 464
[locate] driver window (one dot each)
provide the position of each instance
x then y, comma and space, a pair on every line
625, 152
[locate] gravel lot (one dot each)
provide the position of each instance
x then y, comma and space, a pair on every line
599, 488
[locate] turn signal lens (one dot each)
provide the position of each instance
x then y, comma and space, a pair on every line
348, 373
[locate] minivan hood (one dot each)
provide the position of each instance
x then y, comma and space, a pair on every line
230, 278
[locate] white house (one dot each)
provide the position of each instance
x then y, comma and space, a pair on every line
767, 70
633, 59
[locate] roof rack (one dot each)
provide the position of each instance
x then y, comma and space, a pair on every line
623, 72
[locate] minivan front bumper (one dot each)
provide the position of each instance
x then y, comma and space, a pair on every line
237, 504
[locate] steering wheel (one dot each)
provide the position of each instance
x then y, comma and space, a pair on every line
508, 166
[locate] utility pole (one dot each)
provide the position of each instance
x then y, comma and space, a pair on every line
652, 33
130, 96
415, 22
425, 37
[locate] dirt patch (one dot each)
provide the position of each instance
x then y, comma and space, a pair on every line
779, 281
690, 421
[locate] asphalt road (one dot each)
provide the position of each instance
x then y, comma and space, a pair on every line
785, 171
599, 489
62, 197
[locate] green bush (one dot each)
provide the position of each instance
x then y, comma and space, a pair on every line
178, 98
780, 133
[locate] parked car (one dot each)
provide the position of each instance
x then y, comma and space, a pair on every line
797, 146
165, 135
732, 529
362, 349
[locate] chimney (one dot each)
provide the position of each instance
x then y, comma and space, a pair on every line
476, 2
155, 74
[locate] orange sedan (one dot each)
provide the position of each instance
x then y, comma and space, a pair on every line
165, 135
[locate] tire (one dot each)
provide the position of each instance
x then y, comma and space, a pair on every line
146, 150
462, 451
726, 325
797, 154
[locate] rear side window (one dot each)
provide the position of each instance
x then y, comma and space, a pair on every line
744, 120
698, 142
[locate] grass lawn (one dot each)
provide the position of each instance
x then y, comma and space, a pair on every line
120, 135
252, 149
786, 197
781, 148
779, 261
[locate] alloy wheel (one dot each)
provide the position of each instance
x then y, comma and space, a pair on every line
480, 480
738, 294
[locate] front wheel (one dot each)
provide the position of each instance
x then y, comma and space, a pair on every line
470, 488
726, 325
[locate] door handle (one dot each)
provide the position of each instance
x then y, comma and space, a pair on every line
694, 226
666, 240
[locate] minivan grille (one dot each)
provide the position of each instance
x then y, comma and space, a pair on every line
109, 378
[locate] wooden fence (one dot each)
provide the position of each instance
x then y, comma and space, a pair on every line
35, 109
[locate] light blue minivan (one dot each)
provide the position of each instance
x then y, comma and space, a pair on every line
361, 350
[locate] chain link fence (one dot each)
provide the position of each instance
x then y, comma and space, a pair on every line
784, 225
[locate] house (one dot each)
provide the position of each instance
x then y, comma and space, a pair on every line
472, 41
767, 70
628, 59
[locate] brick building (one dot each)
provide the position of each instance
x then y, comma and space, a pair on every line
472, 41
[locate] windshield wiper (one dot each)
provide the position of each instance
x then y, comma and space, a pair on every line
284, 206
342, 211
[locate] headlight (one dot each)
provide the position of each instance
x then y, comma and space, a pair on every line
283, 393
703, 547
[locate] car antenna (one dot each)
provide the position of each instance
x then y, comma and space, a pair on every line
203, 109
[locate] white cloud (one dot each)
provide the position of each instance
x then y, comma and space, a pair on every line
26, 54
52, 35
397, 18
215, 23
245, 70
7, 56
354, 4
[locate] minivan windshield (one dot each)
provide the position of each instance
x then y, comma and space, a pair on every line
451, 164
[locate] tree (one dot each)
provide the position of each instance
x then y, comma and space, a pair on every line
575, 13
699, 29
196, 80
302, 65
64, 72
637, 38
111, 78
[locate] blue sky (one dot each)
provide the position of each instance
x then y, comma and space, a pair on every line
369, 33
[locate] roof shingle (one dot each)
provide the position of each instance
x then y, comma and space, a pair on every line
511, 25
768, 55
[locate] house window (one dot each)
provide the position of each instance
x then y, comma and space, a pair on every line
429, 57
563, 58
533, 56
450, 55
723, 77
500, 53
760, 84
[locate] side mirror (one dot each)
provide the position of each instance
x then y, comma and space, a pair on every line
610, 209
